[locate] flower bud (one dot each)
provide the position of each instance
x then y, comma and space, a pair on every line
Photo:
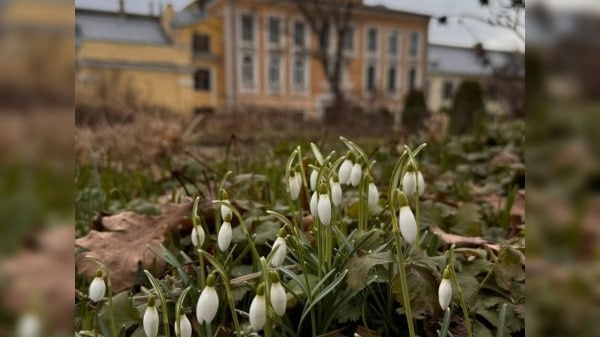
445, 290
97, 287
198, 236
151, 319
295, 184
408, 225
184, 329
258, 309
277, 295
336, 192
345, 169
355, 174
279, 249
324, 205
224, 237
410, 180
314, 175
208, 302
313, 204
30, 325
373, 196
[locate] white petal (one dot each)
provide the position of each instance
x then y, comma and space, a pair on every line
294, 185
408, 225
225, 210
186, 327
313, 204
29, 325
97, 289
208, 304
409, 183
280, 251
336, 193
445, 293
421, 183
278, 298
197, 235
373, 198
313, 179
258, 313
224, 237
324, 209
151, 322
344, 171
355, 175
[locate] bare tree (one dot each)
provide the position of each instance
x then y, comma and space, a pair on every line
322, 16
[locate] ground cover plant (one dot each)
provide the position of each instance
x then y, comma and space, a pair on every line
336, 239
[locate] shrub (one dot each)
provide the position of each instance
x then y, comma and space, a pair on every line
467, 109
415, 110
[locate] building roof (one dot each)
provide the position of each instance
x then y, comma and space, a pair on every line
115, 27
461, 61
188, 16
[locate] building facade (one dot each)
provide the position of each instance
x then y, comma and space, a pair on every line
245, 55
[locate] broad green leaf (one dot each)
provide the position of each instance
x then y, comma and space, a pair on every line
422, 286
359, 267
266, 231
480, 330
124, 312
467, 221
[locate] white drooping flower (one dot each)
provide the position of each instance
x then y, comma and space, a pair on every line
324, 205
208, 302
30, 325
344, 171
355, 174
97, 287
186, 327
151, 319
408, 224
295, 184
277, 295
279, 249
336, 192
224, 237
313, 204
314, 175
445, 290
198, 236
373, 196
410, 180
258, 309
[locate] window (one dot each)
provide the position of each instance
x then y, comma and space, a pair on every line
414, 44
447, 89
201, 43
274, 72
299, 34
247, 71
392, 79
274, 30
348, 39
202, 80
298, 74
324, 38
393, 43
247, 28
370, 78
412, 77
372, 40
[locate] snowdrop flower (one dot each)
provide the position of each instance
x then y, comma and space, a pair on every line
345, 169
97, 287
184, 325
208, 302
258, 309
313, 204
445, 290
151, 318
225, 209
295, 184
373, 196
29, 325
410, 180
355, 174
336, 191
313, 179
406, 220
198, 236
279, 249
277, 295
224, 237
324, 205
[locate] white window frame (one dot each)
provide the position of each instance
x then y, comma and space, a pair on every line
255, 32
367, 63
271, 89
398, 80
267, 36
246, 88
355, 33
418, 80
292, 28
398, 43
294, 89
378, 40
419, 51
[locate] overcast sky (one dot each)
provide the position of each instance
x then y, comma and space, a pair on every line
453, 33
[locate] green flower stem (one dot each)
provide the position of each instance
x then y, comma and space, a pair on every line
197, 223
244, 228
163, 301
109, 287
266, 281
402, 271
461, 297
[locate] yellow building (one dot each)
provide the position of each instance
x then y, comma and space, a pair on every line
245, 55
